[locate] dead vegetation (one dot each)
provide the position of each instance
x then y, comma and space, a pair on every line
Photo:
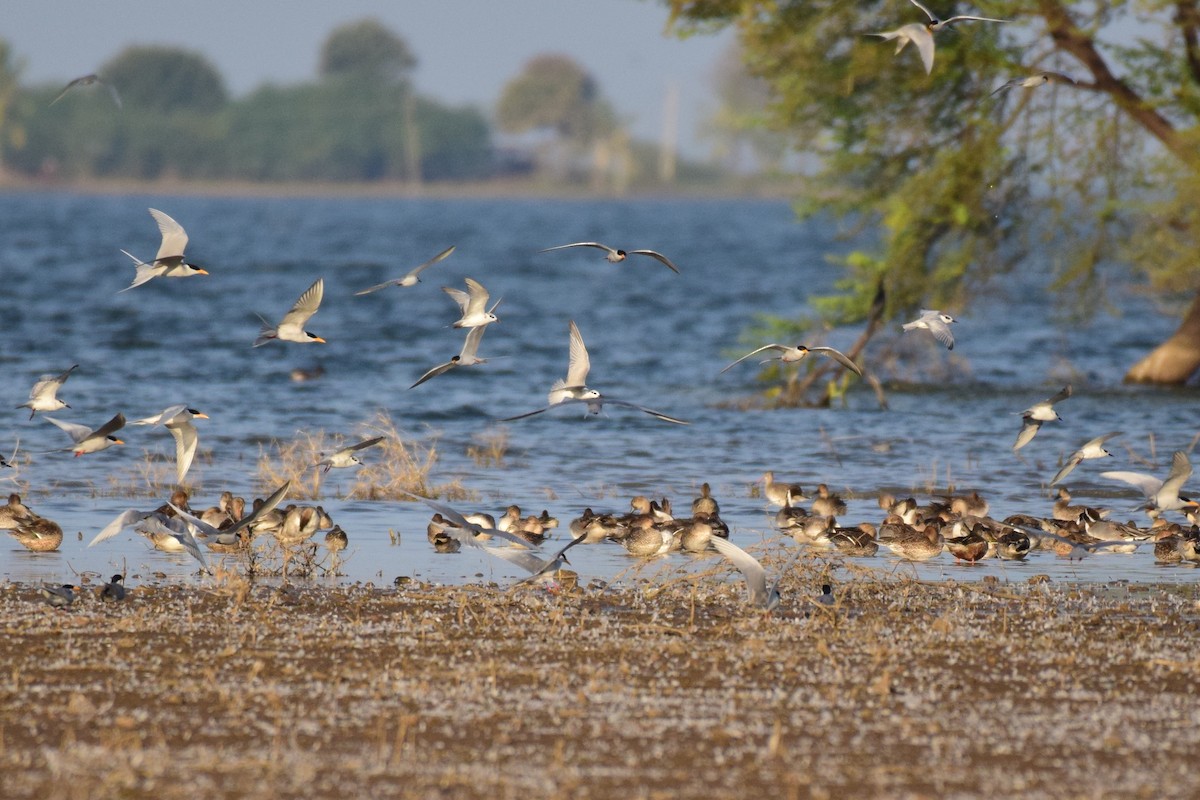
391, 469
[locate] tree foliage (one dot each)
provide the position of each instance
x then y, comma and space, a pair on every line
553, 92
953, 174
166, 79
366, 51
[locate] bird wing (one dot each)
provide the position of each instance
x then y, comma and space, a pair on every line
461, 523
186, 440
114, 94
1148, 484
477, 298
378, 286
1100, 440
415, 271
174, 238
1181, 470
365, 443
752, 571
438, 370
1063, 394
967, 17
306, 306
941, 332
603, 247
839, 357
643, 409
923, 39
1029, 429
161, 419
77, 432
122, 521
1071, 464
80, 81
752, 353
932, 18
657, 257
1006, 86
578, 364
267, 507
107, 429
471, 345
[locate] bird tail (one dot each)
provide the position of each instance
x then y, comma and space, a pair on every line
145, 272
265, 334
908, 326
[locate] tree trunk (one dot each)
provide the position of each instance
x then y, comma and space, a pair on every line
1177, 358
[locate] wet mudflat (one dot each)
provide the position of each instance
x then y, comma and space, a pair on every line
670, 688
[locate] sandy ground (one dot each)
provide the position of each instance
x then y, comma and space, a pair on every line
667, 689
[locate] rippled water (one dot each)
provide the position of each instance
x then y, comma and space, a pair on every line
655, 338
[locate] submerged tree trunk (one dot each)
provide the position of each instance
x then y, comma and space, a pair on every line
1177, 358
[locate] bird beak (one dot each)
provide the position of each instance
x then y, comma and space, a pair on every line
201, 272
200, 416
118, 441
319, 339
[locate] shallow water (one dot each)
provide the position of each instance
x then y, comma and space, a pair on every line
655, 338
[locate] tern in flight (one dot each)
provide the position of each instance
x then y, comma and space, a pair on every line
88, 440
1093, 449
89, 80
1036, 414
758, 594
347, 456
169, 262
615, 256
1161, 495
409, 279
1034, 81
466, 358
936, 323
574, 388
44, 394
473, 305
178, 420
793, 355
921, 33
291, 328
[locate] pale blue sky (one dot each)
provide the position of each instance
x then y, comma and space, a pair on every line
467, 49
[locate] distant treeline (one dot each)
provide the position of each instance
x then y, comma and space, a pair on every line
360, 120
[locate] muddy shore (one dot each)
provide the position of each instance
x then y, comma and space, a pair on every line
666, 689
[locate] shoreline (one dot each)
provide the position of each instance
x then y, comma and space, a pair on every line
901, 688
497, 189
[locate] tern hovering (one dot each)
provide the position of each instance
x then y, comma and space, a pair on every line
615, 256
88, 440
473, 305
793, 355
921, 33
409, 279
178, 420
44, 394
89, 80
169, 262
291, 328
936, 323
1036, 414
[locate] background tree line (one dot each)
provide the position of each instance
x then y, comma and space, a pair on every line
361, 119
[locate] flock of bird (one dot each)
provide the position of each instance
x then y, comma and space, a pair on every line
958, 525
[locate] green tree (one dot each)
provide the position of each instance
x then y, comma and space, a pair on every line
366, 51
956, 177
12, 132
166, 79
555, 93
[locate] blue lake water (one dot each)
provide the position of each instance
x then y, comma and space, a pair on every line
655, 338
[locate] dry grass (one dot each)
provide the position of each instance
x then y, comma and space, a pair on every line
488, 449
391, 469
